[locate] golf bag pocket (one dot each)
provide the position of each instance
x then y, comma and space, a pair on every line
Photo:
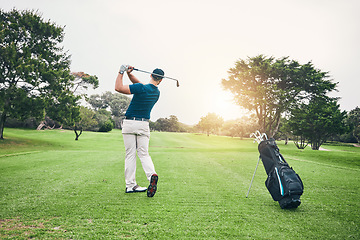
282, 181
274, 185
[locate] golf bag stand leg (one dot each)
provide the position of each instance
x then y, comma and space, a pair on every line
253, 177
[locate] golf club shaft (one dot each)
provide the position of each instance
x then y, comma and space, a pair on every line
157, 75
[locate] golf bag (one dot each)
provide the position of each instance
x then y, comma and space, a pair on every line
284, 185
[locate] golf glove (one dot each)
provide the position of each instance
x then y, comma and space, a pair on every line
123, 69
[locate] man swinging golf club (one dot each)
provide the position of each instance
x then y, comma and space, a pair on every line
135, 129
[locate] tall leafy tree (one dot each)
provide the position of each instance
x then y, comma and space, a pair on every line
64, 109
353, 121
34, 68
317, 120
270, 87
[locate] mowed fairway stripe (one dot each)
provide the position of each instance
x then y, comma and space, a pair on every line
324, 164
16, 154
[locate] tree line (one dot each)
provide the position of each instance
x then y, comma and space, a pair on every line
312, 126
283, 97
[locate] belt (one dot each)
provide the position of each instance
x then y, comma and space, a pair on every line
137, 119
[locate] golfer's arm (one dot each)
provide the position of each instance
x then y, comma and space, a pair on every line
120, 87
132, 78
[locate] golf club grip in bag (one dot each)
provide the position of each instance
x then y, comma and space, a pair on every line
283, 183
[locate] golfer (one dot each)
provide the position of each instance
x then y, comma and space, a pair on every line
135, 128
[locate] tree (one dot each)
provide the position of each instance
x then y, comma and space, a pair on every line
170, 124
318, 120
61, 109
241, 127
34, 69
353, 121
295, 127
210, 123
116, 103
83, 81
85, 121
270, 87
90, 120
284, 131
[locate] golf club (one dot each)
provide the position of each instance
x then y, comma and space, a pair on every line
177, 81
258, 138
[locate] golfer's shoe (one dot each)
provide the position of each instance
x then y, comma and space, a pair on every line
151, 190
137, 188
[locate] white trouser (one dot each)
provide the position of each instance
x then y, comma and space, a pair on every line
136, 136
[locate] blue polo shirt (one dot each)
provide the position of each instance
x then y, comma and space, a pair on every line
144, 98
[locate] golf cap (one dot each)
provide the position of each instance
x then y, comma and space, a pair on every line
158, 72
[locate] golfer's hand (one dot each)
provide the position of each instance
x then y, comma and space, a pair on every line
130, 69
123, 69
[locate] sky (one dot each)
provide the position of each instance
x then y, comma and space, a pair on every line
198, 41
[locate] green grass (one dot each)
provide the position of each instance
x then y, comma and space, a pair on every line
52, 187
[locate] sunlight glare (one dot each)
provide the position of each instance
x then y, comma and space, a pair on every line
224, 106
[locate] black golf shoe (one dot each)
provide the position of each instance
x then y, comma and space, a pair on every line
153, 185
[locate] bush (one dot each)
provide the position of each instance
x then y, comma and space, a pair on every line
347, 138
107, 126
16, 123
